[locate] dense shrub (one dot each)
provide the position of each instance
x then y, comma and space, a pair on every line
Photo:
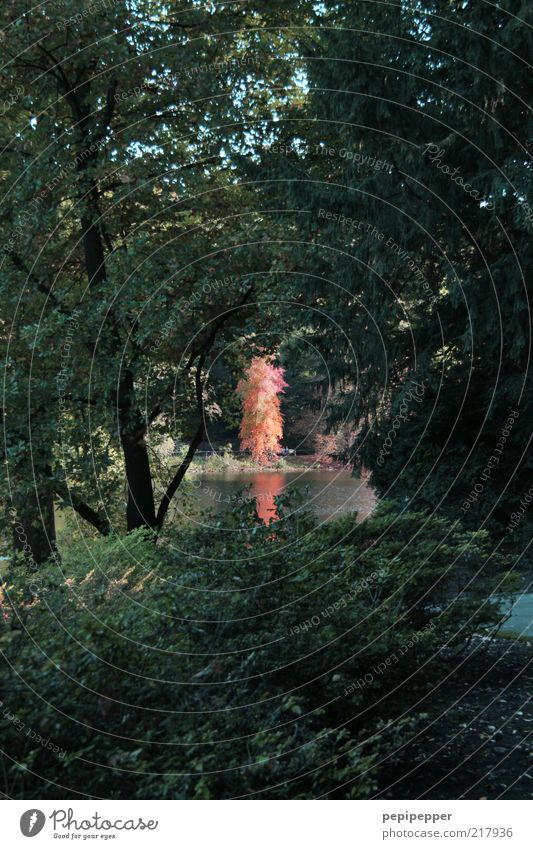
232, 658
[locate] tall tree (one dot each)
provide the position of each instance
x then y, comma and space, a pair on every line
126, 253
262, 423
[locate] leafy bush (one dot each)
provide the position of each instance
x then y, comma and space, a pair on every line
233, 659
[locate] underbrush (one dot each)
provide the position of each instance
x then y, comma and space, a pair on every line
226, 460
234, 659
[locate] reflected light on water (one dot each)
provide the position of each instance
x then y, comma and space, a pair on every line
264, 488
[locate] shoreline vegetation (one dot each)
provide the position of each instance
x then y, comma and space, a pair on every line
228, 462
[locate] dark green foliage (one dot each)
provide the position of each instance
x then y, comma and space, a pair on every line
407, 173
127, 263
237, 670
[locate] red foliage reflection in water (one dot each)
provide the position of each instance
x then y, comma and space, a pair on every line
265, 486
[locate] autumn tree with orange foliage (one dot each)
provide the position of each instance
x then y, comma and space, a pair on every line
262, 423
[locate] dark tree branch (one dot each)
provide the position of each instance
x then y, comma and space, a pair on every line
62, 78
178, 477
195, 442
109, 109
201, 349
156, 412
68, 496
19, 264
215, 327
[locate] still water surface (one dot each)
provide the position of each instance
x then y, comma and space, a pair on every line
327, 493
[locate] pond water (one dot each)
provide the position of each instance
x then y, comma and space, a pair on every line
327, 493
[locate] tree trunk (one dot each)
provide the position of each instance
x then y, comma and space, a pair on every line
178, 477
33, 526
140, 512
